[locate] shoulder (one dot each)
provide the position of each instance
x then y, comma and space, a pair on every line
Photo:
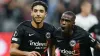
58, 33
24, 23
80, 31
78, 15
92, 15
93, 19
49, 26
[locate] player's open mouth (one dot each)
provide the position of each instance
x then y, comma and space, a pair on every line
62, 28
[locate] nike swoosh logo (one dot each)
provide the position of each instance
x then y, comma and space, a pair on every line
31, 34
59, 40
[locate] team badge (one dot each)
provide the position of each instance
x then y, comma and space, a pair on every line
48, 35
72, 43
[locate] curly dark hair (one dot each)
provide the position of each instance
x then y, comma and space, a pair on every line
40, 3
70, 13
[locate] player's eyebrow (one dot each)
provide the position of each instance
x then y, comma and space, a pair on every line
41, 10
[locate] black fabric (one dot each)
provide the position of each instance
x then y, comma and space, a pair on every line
32, 39
77, 45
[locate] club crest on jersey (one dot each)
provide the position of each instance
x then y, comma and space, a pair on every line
72, 43
48, 35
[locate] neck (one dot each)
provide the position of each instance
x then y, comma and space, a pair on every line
67, 33
84, 14
37, 25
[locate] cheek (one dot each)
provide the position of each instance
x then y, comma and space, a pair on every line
71, 25
43, 14
61, 23
32, 14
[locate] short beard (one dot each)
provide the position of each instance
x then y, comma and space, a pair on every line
35, 21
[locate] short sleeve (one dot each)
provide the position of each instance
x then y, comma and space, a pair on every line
17, 36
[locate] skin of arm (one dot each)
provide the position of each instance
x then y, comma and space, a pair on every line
53, 50
14, 50
98, 46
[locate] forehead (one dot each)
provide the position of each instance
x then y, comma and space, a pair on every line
86, 4
66, 16
39, 7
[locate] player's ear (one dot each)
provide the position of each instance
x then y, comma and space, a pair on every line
31, 13
45, 14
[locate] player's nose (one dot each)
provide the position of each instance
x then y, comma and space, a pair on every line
63, 22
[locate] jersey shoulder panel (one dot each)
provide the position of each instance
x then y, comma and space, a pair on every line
80, 31
58, 33
49, 26
25, 23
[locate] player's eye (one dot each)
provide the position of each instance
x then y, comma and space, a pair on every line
35, 10
65, 20
41, 11
62, 19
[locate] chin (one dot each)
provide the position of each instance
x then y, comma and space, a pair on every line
62, 30
38, 21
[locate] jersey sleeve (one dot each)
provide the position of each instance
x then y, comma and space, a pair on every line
17, 36
92, 41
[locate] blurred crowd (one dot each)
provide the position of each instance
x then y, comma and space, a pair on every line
12, 12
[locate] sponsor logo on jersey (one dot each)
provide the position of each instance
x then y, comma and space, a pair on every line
67, 52
37, 45
72, 43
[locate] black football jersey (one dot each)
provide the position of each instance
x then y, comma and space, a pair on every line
77, 45
33, 39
